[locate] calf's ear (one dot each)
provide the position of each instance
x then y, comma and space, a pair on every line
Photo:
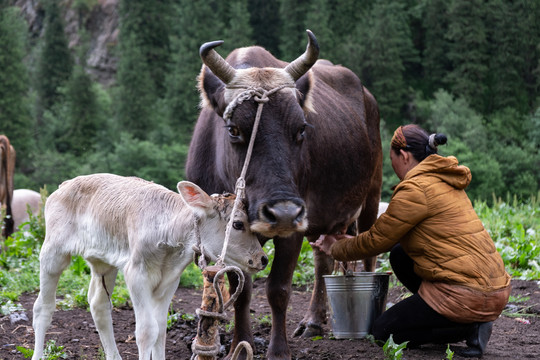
194, 196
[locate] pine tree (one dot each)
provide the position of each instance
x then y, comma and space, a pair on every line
182, 94
435, 62
149, 22
292, 35
381, 48
468, 52
238, 32
82, 112
504, 85
318, 21
136, 90
55, 63
265, 21
15, 121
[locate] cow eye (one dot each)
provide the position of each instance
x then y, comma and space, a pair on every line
234, 133
238, 225
301, 133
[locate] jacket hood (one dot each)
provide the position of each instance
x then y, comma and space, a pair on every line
446, 169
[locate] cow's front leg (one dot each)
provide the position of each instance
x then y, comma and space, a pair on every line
278, 291
311, 324
242, 320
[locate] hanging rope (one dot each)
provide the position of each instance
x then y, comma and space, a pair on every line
206, 344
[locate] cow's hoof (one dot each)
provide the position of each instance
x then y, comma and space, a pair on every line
308, 331
299, 330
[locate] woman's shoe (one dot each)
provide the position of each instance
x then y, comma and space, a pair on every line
477, 341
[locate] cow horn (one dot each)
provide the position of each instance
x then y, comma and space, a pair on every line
302, 64
215, 62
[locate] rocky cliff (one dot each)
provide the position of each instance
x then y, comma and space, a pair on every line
100, 23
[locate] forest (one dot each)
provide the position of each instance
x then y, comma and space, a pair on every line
467, 68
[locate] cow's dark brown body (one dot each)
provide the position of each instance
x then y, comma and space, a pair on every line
316, 165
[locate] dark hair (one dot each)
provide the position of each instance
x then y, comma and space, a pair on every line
419, 142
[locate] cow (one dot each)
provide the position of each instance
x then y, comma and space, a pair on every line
7, 169
146, 230
24, 200
315, 168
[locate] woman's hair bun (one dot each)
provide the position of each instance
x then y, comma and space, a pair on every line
440, 139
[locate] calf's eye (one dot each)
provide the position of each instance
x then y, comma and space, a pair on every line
238, 225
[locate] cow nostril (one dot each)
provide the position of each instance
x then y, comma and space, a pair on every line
269, 214
264, 261
301, 214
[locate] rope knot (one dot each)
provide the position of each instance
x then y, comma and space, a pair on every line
263, 99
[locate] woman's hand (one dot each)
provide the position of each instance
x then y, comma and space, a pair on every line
325, 242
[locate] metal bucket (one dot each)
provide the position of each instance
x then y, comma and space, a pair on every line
355, 301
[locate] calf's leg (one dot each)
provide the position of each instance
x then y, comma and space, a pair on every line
99, 297
146, 326
162, 298
51, 267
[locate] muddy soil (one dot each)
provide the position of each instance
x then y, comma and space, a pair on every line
516, 334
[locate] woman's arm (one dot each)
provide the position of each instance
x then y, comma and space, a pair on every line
407, 208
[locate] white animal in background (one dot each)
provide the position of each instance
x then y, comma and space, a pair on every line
21, 199
382, 208
145, 230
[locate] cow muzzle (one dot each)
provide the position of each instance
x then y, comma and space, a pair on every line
282, 219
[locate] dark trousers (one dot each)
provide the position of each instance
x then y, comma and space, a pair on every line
412, 319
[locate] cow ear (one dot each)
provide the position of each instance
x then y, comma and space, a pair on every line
212, 91
304, 86
194, 196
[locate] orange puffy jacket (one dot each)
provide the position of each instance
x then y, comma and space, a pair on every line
432, 218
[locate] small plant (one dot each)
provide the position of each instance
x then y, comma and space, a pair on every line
51, 351
449, 353
264, 320
27, 353
393, 351
172, 318
9, 307
229, 326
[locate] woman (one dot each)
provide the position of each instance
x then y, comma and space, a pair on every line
438, 247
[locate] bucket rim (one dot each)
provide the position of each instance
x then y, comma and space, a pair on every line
360, 274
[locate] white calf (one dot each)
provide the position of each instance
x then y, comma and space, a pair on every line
147, 231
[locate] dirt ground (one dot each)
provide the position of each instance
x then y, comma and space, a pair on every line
514, 337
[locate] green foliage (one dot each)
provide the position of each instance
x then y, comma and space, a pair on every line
15, 118
449, 353
467, 52
51, 351
515, 229
393, 351
136, 91
55, 62
262, 319
192, 277
304, 272
292, 34
237, 31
